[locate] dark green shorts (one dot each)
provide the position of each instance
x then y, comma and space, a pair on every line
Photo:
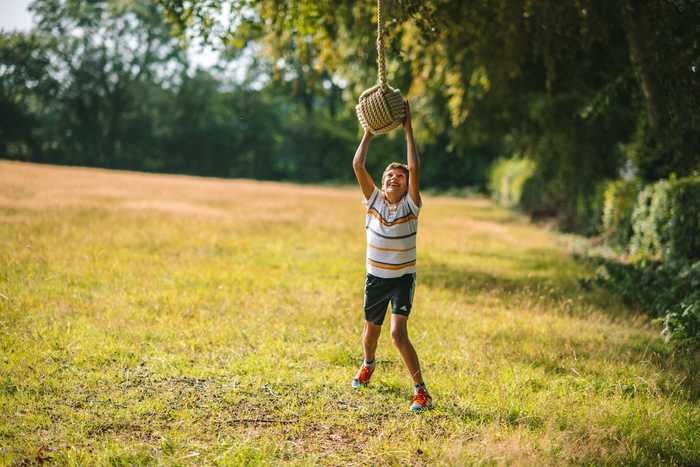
379, 292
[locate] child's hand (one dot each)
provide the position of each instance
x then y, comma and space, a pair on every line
368, 135
407, 119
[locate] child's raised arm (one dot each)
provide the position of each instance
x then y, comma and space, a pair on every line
358, 164
412, 159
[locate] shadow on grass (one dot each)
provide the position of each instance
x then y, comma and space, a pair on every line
534, 278
554, 291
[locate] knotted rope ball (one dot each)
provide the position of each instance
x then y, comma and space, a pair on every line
381, 107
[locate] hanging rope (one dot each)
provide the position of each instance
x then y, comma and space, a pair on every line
381, 108
380, 43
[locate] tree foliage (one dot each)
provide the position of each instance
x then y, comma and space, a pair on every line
26, 87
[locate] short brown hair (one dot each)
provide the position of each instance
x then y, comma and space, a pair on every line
396, 165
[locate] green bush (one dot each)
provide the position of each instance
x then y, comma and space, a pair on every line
535, 190
538, 198
669, 291
507, 179
682, 326
684, 225
591, 211
666, 220
619, 202
650, 221
663, 221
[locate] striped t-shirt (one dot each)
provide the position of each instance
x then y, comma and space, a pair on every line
391, 236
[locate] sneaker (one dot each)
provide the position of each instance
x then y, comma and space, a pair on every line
362, 377
421, 400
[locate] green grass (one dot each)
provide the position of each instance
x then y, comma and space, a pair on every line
152, 319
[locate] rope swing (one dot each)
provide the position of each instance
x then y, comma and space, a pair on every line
381, 107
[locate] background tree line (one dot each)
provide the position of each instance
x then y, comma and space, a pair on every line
109, 84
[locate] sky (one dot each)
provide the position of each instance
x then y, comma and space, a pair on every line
14, 15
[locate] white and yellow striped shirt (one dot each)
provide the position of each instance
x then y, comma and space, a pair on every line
391, 236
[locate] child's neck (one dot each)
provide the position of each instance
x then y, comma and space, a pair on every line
392, 199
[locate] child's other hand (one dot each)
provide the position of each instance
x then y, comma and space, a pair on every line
407, 119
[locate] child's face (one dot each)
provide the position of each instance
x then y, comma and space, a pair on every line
394, 181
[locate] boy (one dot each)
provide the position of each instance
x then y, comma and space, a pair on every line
392, 221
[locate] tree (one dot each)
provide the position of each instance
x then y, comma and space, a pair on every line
103, 53
26, 88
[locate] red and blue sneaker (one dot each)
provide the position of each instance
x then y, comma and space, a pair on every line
363, 375
421, 400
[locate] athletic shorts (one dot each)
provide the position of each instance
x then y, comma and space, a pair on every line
380, 291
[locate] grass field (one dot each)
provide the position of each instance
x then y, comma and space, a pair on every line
180, 320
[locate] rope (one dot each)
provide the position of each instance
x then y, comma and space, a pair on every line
380, 43
381, 108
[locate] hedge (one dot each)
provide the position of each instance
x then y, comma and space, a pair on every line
619, 202
507, 179
666, 221
650, 221
668, 291
664, 276
684, 225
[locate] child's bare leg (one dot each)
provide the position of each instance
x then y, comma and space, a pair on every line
370, 336
399, 334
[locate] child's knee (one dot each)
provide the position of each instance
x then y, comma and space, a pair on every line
372, 330
399, 337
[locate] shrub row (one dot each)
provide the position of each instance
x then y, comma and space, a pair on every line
650, 219
657, 225
507, 178
535, 188
660, 221
618, 204
668, 291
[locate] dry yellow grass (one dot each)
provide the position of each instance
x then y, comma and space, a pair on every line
170, 319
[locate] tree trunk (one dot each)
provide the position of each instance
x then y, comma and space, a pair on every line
638, 22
